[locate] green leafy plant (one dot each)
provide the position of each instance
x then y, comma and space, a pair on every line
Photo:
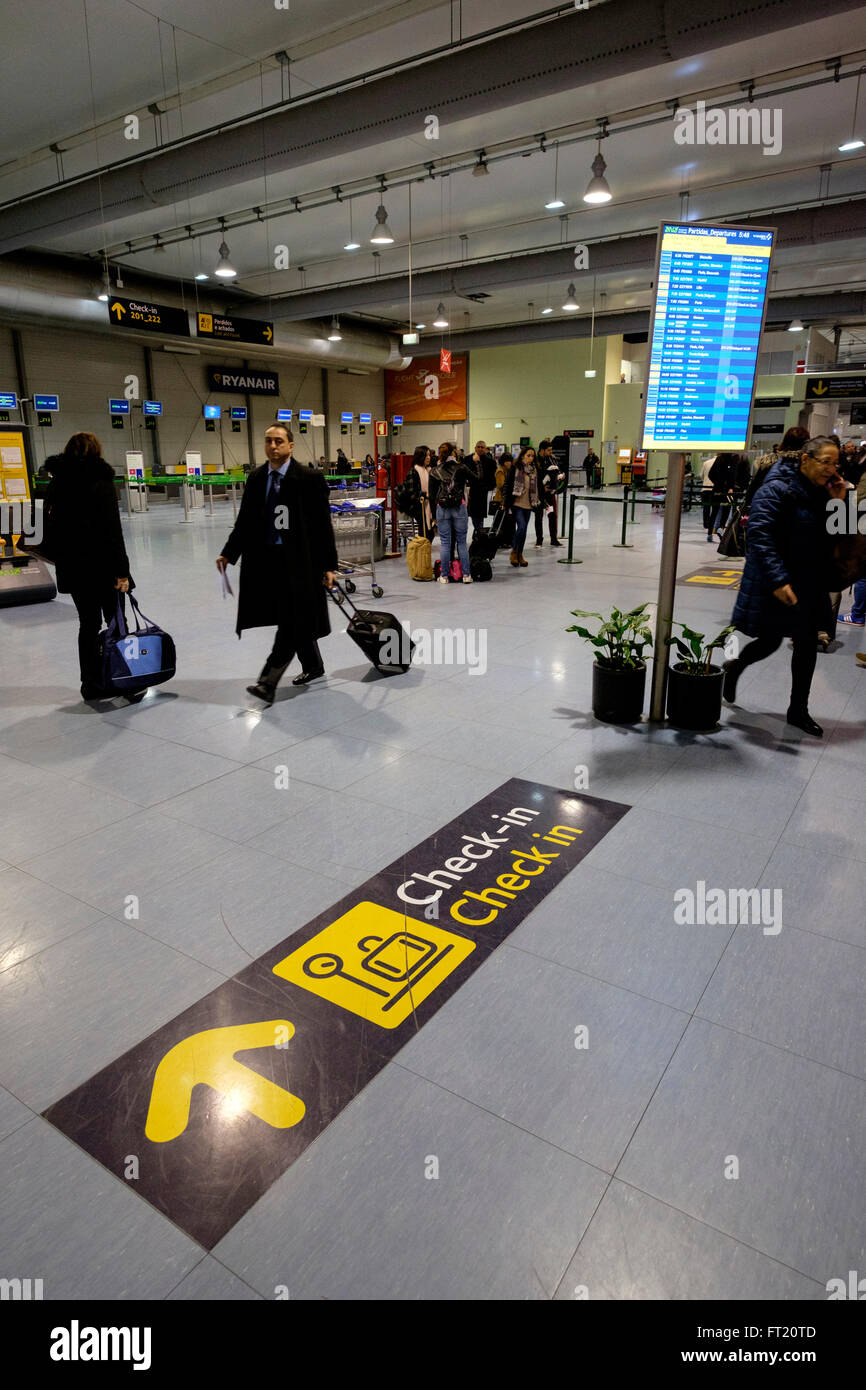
621, 639
695, 654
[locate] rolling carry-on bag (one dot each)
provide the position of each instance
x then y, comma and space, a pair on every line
380, 636
132, 661
419, 558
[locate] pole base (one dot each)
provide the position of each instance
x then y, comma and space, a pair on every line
622, 545
569, 562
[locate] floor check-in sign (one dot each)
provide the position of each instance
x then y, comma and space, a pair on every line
205, 1114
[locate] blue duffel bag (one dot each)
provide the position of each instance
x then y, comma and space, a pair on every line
132, 661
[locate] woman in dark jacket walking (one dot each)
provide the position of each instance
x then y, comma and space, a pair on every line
792, 447
786, 580
84, 539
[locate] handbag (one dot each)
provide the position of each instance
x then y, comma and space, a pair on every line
132, 661
733, 542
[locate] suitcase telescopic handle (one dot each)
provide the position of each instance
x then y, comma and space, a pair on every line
346, 598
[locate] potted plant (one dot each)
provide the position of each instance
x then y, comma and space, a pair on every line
694, 684
619, 671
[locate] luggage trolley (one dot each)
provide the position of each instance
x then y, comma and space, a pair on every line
355, 533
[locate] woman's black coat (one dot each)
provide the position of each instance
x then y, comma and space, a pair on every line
787, 543
307, 552
83, 534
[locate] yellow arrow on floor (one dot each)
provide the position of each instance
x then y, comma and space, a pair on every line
207, 1059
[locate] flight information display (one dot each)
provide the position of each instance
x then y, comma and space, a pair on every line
711, 291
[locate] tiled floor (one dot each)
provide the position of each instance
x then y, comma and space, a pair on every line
703, 1140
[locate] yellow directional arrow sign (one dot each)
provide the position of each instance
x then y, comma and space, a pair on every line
819, 389
207, 1059
119, 310
268, 333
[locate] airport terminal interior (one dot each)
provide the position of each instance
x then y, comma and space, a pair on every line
512, 952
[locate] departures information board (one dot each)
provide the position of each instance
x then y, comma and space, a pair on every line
708, 315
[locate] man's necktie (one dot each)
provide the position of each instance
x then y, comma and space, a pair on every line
271, 504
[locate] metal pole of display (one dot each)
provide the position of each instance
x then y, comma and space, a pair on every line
569, 559
622, 543
210, 499
667, 580
128, 498
234, 502
633, 497
184, 487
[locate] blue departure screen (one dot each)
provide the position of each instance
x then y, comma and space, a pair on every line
712, 287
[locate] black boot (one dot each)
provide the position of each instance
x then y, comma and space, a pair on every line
306, 676
266, 686
733, 670
802, 719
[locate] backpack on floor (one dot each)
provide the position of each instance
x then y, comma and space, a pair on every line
456, 571
480, 569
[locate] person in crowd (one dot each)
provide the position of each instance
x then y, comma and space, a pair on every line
84, 539
523, 488
481, 464
707, 503
552, 483
590, 463
369, 461
449, 479
422, 487
729, 474
790, 448
343, 462
504, 464
786, 579
852, 463
285, 541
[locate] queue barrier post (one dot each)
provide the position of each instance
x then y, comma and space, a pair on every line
622, 543
570, 559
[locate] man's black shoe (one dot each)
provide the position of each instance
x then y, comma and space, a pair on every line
306, 676
263, 692
802, 719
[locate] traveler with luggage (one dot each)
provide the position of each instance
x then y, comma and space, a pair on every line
448, 482
416, 489
481, 463
590, 463
285, 541
84, 540
552, 482
522, 492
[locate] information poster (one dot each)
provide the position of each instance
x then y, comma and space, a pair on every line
14, 486
708, 315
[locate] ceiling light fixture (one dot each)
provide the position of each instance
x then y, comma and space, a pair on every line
440, 320
382, 234
481, 167
224, 270
105, 288
201, 276
598, 189
853, 142
335, 336
795, 326
159, 246
351, 244
419, 326
555, 201
571, 305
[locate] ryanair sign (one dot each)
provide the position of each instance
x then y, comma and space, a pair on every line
250, 382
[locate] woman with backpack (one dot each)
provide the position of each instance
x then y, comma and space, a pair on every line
522, 493
448, 482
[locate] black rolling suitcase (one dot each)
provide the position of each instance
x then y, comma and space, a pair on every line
486, 543
379, 635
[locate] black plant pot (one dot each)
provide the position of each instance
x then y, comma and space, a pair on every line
694, 701
617, 693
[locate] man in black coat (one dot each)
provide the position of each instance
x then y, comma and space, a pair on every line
483, 468
285, 541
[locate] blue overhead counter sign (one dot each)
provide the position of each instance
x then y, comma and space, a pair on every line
708, 316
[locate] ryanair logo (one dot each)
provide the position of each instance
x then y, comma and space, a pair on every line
253, 383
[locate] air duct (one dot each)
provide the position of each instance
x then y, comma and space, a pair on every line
561, 54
